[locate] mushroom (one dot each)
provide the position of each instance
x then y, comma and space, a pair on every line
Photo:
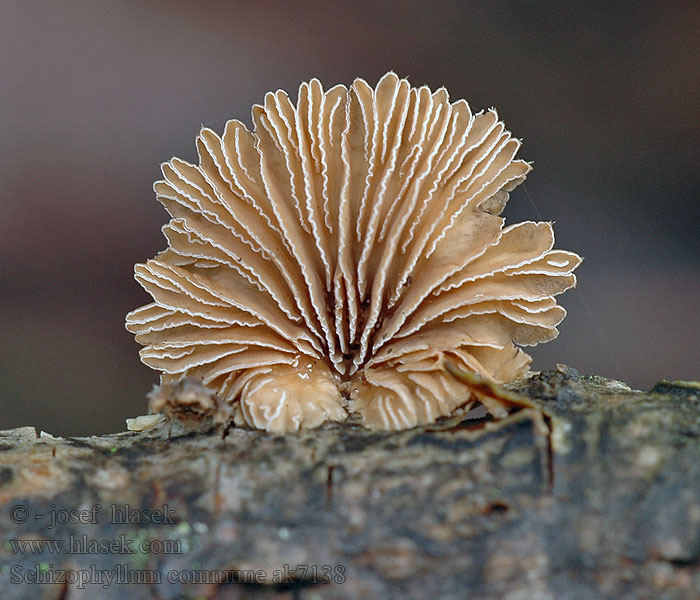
336, 258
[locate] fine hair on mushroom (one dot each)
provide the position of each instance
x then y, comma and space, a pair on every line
334, 259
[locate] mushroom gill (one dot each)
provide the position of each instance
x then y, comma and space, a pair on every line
333, 259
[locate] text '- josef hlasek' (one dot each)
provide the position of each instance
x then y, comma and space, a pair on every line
117, 514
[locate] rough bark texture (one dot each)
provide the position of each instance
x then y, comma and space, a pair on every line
596, 496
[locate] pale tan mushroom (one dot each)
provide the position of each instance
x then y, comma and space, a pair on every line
331, 261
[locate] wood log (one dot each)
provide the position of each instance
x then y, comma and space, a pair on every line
593, 493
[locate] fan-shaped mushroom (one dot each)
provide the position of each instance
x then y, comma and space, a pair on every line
332, 259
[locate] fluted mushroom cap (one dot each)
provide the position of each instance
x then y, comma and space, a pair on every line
331, 260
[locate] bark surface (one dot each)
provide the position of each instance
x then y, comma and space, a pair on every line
594, 493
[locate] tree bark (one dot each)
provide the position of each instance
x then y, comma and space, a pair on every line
593, 493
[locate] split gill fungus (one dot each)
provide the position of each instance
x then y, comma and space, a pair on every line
336, 258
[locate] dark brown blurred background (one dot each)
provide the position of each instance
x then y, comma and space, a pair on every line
96, 94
